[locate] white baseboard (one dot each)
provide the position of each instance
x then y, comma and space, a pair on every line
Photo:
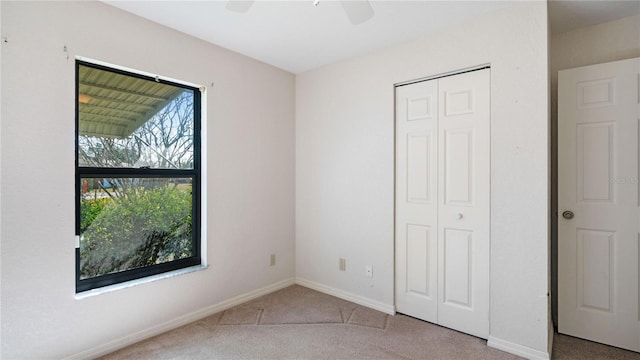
125, 341
360, 300
517, 349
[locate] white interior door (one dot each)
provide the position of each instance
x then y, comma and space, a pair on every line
598, 115
417, 200
442, 201
464, 211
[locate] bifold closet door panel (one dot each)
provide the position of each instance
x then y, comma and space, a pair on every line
464, 196
417, 200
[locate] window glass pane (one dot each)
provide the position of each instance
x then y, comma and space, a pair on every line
128, 223
129, 122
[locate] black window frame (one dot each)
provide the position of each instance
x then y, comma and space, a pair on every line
144, 172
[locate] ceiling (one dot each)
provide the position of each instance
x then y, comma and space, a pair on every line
297, 36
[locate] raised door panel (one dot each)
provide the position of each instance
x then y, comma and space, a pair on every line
419, 249
595, 264
595, 147
419, 167
458, 276
458, 167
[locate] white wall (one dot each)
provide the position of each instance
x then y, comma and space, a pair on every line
345, 166
610, 41
1, 47
250, 169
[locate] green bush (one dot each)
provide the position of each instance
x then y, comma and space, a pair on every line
89, 210
142, 228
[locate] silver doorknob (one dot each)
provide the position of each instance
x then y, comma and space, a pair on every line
568, 215
459, 216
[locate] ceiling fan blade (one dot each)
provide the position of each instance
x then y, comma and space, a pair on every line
358, 11
241, 6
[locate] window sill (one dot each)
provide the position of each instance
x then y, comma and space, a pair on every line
132, 283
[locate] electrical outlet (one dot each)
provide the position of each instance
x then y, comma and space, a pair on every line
342, 265
273, 259
369, 270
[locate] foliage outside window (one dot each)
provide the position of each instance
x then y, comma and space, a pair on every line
137, 176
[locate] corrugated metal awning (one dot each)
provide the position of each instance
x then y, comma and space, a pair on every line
115, 105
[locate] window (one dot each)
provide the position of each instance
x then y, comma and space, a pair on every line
137, 176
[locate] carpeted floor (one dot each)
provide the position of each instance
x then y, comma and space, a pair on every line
299, 323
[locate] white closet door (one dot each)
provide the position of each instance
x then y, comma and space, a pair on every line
442, 201
417, 200
464, 212
598, 115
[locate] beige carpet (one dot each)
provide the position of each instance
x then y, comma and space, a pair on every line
299, 323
